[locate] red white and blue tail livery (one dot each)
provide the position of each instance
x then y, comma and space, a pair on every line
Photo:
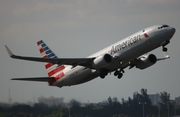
128, 52
53, 70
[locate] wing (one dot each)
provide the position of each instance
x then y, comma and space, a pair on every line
86, 62
40, 79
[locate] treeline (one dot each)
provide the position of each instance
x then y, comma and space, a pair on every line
112, 107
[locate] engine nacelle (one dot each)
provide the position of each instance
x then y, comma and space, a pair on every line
146, 61
102, 61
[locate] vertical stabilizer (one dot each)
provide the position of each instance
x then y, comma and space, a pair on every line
53, 70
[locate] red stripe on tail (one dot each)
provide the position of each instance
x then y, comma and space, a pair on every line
48, 65
56, 70
56, 78
59, 76
38, 43
45, 56
41, 50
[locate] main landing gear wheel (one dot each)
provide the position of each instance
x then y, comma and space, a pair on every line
119, 74
103, 74
116, 73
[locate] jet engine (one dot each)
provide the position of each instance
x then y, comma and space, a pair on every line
146, 61
102, 61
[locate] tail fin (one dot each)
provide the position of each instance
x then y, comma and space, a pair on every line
53, 70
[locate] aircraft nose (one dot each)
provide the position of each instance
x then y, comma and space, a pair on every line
173, 30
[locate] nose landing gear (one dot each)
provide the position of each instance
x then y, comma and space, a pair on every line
166, 55
164, 49
163, 44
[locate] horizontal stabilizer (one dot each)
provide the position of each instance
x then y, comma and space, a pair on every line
40, 79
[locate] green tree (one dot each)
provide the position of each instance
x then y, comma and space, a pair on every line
165, 97
165, 104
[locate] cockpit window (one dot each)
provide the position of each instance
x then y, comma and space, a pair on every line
163, 26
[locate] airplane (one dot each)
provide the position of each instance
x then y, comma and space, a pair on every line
128, 52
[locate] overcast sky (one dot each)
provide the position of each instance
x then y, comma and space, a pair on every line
79, 28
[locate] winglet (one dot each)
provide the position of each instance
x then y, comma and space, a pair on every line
9, 51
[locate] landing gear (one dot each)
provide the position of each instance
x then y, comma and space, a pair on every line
164, 49
163, 44
119, 73
116, 73
166, 55
103, 74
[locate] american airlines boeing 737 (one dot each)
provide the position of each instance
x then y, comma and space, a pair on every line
128, 52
